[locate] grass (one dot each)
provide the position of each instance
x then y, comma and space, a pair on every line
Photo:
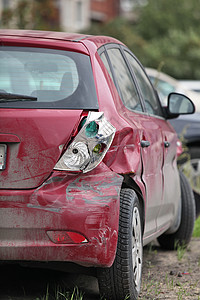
61, 294
181, 249
196, 232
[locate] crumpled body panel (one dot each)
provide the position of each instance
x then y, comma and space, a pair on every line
87, 204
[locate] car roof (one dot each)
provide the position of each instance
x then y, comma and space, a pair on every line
42, 34
55, 35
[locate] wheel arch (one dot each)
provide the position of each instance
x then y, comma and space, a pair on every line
129, 182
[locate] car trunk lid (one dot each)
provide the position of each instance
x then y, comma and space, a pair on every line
31, 142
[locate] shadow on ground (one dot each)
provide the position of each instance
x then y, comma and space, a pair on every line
25, 283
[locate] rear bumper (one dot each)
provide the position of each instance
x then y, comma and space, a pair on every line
87, 204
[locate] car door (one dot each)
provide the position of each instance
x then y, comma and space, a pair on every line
150, 135
167, 144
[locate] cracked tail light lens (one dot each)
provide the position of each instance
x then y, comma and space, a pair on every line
66, 237
89, 146
91, 129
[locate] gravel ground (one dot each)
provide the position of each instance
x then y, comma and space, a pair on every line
168, 276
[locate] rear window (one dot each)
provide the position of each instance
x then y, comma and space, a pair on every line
58, 79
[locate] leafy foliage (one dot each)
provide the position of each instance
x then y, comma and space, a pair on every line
164, 33
46, 15
122, 30
158, 18
178, 51
40, 15
172, 35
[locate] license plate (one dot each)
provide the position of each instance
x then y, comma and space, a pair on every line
3, 150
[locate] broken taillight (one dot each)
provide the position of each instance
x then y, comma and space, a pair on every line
89, 146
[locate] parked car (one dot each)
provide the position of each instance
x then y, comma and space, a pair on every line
88, 160
187, 127
166, 84
192, 85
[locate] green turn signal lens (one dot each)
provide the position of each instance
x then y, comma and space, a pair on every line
91, 129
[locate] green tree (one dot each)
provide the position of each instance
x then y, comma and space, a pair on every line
7, 15
22, 14
157, 18
171, 31
178, 52
122, 30
165, 34
32, 14
45, 15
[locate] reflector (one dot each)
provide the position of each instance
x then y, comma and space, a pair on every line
66, 237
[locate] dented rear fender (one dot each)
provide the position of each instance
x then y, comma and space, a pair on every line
84, 203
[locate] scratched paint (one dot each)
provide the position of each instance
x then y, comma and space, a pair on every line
84, 203
98, 186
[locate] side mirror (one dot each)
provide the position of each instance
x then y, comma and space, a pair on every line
179, 104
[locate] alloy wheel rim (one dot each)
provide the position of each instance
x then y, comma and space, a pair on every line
137, 248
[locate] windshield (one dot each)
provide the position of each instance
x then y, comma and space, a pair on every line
57, 79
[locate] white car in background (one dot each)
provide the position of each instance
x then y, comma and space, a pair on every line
192, 85
166, 84
187, 127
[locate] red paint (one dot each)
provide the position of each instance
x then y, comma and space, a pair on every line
36, 200
32, 160
87, 204
9, 138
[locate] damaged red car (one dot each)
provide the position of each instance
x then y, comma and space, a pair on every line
88, 160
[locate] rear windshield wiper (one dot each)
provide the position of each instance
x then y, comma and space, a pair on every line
4, 97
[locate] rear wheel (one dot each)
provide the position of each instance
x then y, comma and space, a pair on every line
191, 168
123, 278
183, 235
194, 152
194, 177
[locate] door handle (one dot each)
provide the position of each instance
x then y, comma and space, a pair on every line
144, 143
166, 144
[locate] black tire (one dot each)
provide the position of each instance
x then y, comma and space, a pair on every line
197, 202
188, 213
193, 175
194, 152
123, 278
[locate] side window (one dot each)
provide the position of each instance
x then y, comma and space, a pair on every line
164, 89
104, 60
151, 102
124, 80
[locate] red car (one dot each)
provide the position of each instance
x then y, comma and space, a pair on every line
88, 170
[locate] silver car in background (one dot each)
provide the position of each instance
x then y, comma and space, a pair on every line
187, 127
